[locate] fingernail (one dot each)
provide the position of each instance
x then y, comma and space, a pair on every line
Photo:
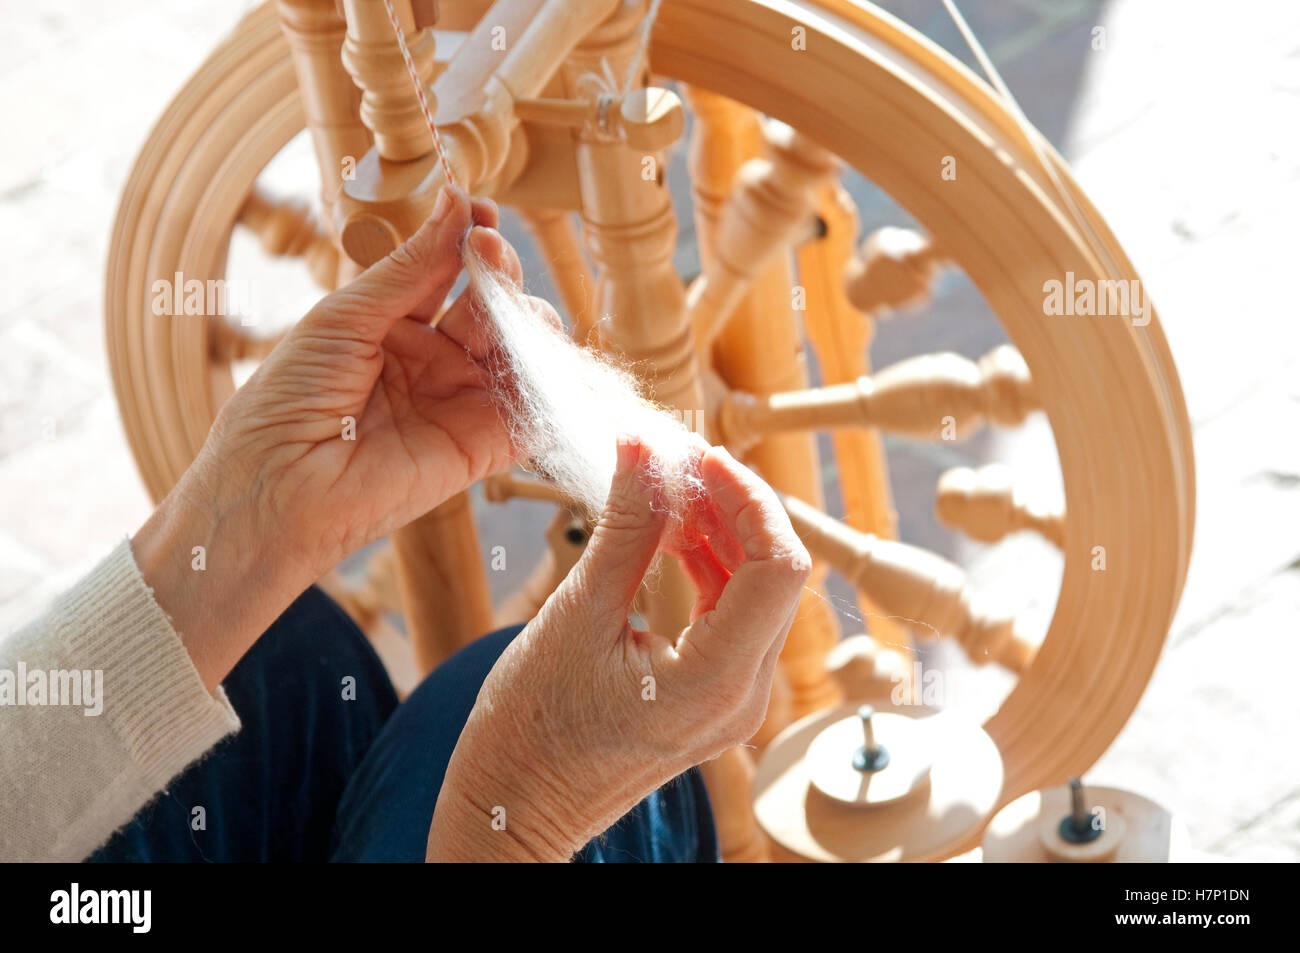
629, 452
487, 241
443, 204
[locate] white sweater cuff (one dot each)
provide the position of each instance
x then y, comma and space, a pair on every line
154, 698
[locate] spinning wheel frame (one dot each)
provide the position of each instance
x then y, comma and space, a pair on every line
889, 103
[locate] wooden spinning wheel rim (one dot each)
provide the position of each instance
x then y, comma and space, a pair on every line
891, 104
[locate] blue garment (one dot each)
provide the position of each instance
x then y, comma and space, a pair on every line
314, 775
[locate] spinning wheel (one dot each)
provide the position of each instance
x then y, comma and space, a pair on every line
528, 120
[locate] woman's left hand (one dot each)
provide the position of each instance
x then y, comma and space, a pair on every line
363, 418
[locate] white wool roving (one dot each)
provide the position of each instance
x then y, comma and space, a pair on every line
565, 406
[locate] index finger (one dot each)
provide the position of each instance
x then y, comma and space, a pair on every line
757, 602
459, 321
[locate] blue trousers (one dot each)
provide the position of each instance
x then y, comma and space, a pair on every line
328, 765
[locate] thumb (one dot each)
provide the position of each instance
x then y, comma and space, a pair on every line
626, 537
412, 278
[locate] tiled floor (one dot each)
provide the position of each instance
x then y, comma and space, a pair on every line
1184, 130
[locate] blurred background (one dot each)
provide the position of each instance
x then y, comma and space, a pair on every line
1184, 128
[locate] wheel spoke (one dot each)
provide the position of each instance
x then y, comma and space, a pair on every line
770, 207
286, 227
934, 396
228, 342
986, 505
914, 584
895, 271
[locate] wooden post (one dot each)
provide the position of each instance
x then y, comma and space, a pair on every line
331, 101
841, 337
511, 54
557, 240
631, 232
389, 106
759, 350
440, 576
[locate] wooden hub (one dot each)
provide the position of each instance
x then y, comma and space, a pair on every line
870, 758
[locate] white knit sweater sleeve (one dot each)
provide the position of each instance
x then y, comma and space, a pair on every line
69, 778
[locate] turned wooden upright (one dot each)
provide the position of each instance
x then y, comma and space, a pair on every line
331, 102
759, 350
840, 336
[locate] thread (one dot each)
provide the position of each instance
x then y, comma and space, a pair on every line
419, 89
642, 45
1094, 242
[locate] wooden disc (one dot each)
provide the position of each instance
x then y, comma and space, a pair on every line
943, 817
1134, 829
830, 760
1102, 849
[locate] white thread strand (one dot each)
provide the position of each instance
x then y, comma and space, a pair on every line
642, 45
419, 89
1027, 130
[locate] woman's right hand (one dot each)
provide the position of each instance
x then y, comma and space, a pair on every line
583, 715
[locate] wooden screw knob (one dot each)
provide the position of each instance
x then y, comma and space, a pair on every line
367, 238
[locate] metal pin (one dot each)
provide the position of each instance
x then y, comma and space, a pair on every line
1077, 809
871, 756
1076, 827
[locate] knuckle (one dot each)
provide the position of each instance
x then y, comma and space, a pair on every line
740, 725
411, 252
798, 561
785, 572
750, 523
623, 511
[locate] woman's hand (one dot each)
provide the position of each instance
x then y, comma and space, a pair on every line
366, 417
583, 715
362, 419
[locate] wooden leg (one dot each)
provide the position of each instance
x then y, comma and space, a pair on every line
841, 335
440, 577
759, 351
730, 779
557, 240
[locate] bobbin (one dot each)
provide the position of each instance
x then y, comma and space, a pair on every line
802, 780
869, 758
1078, 824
